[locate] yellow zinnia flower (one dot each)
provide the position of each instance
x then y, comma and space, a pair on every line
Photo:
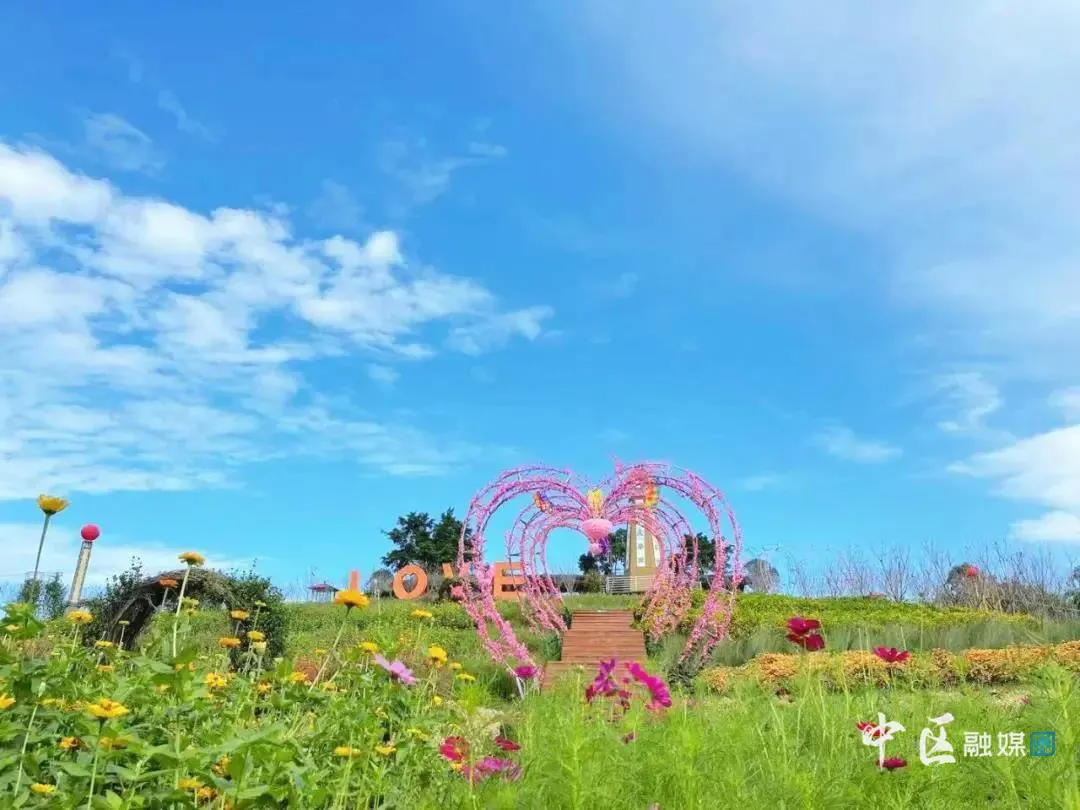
68, 743
369, 646
263, 688
205, 793
298, 677
51, 504
6, 701
43, 789
220, 766
465, 676
437, 655
104, 668
436, 701
188, 783
192, 558
255, 635
215, 680
455, 665
347, 751
102, 644
80, 617
228, 642
239, 615
114, 743
106, 709
351, 599
259, 646
385, 750
421, 614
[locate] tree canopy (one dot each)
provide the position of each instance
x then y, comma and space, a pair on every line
420, 540
614, 562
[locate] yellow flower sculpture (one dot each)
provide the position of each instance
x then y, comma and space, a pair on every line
192, 558
595, 499
106, 709
51, 504
351, 599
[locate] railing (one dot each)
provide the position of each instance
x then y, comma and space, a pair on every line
627, 584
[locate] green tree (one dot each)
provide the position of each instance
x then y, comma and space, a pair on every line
614, 562
419, 540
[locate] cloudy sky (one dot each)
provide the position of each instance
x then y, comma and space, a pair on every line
270, 277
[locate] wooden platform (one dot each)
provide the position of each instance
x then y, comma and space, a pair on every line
595, 636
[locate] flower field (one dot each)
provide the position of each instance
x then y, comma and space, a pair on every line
393, 704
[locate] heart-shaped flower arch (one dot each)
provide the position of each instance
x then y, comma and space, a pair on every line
558, 499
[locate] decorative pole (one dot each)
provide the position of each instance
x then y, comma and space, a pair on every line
89, 533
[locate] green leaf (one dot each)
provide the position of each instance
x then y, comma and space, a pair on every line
75, 769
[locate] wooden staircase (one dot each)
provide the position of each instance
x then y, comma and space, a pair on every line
595, 636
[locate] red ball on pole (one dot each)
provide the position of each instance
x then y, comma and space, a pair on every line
90, 532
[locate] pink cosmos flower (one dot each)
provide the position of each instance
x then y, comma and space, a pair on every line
507, 745
890, 655
659, 695
603, 683
398, 671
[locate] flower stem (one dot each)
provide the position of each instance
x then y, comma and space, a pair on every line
93, 769
333, 649
37, 561
179, 605
22, 755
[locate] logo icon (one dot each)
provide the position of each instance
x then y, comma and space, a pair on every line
1041, 744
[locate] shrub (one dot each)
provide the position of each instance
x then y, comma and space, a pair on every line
592, 582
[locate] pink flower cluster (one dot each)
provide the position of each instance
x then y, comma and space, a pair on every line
458, 751
805, 633
605, 685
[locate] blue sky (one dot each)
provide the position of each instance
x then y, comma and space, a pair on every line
272, 277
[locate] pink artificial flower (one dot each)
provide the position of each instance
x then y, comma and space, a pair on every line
892, 763
800, 626
812, 642
525, 672
454, 748
869, 728
507, 745
398, 671
890, 655
971, 572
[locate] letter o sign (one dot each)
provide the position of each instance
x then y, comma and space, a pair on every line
417, 589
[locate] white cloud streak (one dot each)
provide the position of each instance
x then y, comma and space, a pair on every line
842, 442
150, 346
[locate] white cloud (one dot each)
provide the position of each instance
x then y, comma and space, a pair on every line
496, 331
150, 346
1063, 527
972, 397
841, 442
757, 483
119, 144
1067, 401
940, 137
383, 375
424, 176
336, 208
109, 554
168, 102
1044, 468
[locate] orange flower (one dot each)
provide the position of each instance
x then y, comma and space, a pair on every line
228, 642
351, 599
168, 582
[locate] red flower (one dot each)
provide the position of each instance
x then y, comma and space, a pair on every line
454, 748
892, 763
811, 642
890, 655
971, 572
873, 730
800, 626
506, 745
